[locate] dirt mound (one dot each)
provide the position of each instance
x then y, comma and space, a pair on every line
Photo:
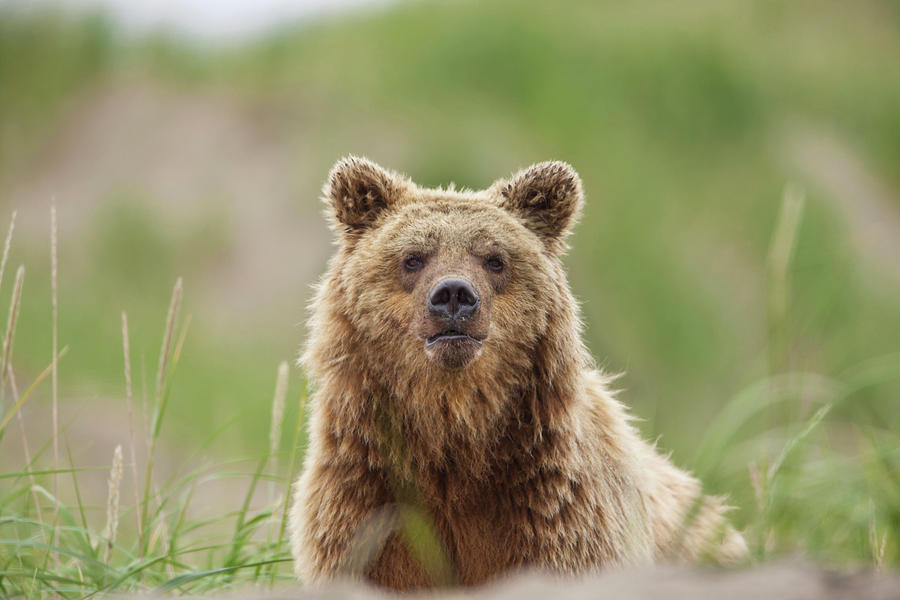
772, 582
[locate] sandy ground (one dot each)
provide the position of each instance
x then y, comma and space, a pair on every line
772, 582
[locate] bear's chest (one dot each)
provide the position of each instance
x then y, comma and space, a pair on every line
485, 529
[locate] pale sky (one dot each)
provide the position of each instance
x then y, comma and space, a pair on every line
208, 19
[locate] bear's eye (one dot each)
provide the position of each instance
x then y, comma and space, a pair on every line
413, 264
494, 264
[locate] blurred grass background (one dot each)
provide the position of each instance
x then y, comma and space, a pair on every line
686, 120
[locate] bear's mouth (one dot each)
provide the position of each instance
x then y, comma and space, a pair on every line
450, 335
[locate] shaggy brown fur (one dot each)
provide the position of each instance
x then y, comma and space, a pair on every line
492, 424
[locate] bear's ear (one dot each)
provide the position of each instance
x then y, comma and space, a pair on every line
548, 197
358, 191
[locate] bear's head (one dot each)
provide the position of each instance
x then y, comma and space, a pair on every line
454, 296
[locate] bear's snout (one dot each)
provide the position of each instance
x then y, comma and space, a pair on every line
456, 323
453, 299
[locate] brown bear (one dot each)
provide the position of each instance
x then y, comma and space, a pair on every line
458, 428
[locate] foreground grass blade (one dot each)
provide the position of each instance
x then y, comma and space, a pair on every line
181, 580
27, 393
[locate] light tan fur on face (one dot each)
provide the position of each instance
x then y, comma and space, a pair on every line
516, 451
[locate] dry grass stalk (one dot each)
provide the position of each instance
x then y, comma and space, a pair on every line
112, 502
174, 305
6, 364
11, 325
126, 351
25, 446
877, 544
756, 482
54, 293
176, 355
11, 322
164, 537
281, 383
6, 246
9, 234
278, 408
12, 226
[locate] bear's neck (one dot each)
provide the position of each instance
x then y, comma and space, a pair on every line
412, 425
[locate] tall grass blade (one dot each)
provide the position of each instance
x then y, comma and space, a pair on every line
54, 296
10, 331
25, 446
292, 467
792, 444
240, 535
77, 489
26, 394
129, 399
281, 383
181, 580
160, 401
781, 252
6, 246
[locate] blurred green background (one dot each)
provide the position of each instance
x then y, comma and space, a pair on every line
168, 156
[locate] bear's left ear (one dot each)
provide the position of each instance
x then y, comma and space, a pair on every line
548, 197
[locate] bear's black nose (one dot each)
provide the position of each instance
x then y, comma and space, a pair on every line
453, 299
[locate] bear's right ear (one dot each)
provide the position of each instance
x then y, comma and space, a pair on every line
358, 191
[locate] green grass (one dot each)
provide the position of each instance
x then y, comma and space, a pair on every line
672, 113
48, 547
